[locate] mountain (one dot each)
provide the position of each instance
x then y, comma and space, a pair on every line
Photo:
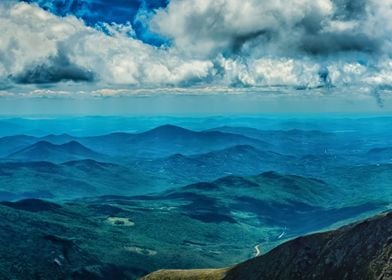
363, 182
245, 160
293, 142
167, 140
379, 155
358, 251
238, 159
11, 144
217, 223
71, 179
58, 139
47, 151
161, 141
118, 237
291, 202
263, 134
114, 144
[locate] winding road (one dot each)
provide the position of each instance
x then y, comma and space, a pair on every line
258, 250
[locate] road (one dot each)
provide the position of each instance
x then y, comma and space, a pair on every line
258, 250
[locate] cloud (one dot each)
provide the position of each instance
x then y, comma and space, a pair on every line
39, 47
213, 26
53, 70
213, 44
208, 27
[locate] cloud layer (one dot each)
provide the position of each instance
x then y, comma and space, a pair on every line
238, 43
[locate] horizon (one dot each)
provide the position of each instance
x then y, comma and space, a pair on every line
195, 139
129, 57
217, 104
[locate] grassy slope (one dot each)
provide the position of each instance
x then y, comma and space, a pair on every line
192, 274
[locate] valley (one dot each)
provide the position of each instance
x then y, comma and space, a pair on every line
126, 204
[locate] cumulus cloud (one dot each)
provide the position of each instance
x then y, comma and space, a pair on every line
213, 26
236, 43
38, 47
209, 27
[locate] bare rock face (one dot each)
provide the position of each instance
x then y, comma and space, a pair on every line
361, 251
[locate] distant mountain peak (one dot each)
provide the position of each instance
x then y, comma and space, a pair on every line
178, 156
234, 181
270, 175
43, 143
47, 151
168, 128
73, 144
58, 135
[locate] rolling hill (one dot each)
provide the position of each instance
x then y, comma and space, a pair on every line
238, 160
70, 180
47, 151
291, 202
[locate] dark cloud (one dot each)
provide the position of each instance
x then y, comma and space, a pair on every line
378, 97
327, 43
350, 9
53, 70
240, 40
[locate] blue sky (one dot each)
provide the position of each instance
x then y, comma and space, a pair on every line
95, 12
314, 52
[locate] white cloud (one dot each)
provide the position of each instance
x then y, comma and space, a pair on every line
32, 38
216, 44
208, 27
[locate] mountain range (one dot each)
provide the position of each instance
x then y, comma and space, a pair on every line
125, 203
158, 142
168, 140
126, 237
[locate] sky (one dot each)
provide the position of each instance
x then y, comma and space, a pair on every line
195, 56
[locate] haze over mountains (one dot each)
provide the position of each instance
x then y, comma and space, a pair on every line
161, 141
171, 156
174, 197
